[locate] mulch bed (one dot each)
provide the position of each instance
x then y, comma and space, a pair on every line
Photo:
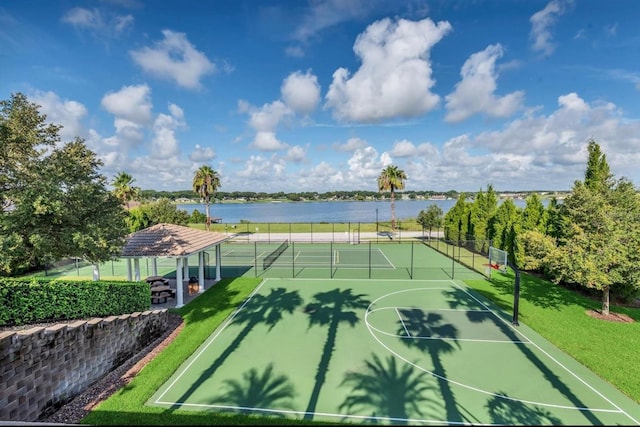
611, 317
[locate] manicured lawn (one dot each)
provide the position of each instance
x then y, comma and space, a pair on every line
609, 349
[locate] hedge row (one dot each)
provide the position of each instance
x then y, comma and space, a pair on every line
35, 300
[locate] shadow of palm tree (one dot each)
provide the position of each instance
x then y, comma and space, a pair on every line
331, 309
512, 412
389, 390
259, 309
257, 390
427, 332
548, 374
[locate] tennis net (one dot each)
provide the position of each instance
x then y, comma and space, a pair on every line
270, 259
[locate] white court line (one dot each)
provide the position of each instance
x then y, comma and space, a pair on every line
212, 338
589, 386
403, 325
501, 396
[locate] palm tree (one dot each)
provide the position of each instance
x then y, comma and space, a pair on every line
392, 179
124, 189
206, 182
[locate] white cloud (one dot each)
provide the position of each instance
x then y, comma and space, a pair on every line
296, 154
394, 79
99, 23
301, 92
403, 148
352, 144
475, 93
164, 143
131, 103
541, 23
267, 141
175, 58
67, 113
202, 154
365, 165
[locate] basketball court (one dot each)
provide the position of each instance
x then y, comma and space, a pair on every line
378, 351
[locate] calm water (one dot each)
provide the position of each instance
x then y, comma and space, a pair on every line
355, 211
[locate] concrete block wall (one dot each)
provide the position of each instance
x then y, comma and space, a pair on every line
41, 369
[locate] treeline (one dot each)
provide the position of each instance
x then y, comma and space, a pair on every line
252, 196
590, 240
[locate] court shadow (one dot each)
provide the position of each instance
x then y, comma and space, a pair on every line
269, 309
505, 411
546, 372
388, 390
331, 309
427, 331
257, 393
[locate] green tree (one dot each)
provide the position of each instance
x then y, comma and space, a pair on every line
431, 218
503, 230
206, 182
24, 138
480, 213
598, 176
391, 179
164, 211
124, 189
599, 232
534, 215
456, 219
55, 201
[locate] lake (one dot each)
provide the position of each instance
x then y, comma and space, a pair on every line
343, 211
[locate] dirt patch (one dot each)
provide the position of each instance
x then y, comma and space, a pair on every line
611, 317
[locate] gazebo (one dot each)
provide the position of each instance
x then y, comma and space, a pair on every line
172, 241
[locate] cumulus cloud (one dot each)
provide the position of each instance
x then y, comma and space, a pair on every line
67, 113
296, 154
202, 154
351, 145
365, 165
475, 93
130, 103
395, 78
174, 58
164, 143
541, 23
301, 92
97, 22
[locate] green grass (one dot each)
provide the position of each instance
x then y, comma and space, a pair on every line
609, 349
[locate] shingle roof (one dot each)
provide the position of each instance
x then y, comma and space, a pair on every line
169, 240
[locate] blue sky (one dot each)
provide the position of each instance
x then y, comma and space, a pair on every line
321, 95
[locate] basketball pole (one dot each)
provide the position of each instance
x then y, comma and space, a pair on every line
516, 294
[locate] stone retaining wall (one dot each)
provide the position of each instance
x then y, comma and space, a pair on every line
41, 369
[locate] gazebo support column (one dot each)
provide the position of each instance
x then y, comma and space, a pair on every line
129, 275
136, 269
200, 272
179, 268
154, 266
185, 266
218, 261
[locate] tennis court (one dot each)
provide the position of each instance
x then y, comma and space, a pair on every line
369, 260
379, 351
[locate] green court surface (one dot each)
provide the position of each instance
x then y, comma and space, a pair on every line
387, 352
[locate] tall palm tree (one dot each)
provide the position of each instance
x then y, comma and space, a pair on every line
391, 179
124, 189
206, 182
